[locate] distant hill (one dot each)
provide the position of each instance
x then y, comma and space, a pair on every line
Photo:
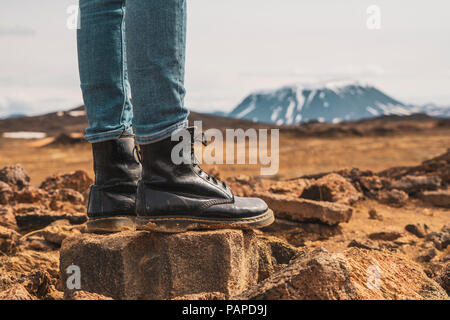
435, 110
219, 113
331, 102
74, 120
15, 115
65, 123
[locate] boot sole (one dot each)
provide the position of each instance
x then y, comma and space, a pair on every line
177, 224
110, 225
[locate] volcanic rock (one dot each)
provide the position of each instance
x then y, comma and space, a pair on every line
30, 194
274, 254
427, 256
438, 166
32, 217
84, 295
78, 181
142, 265
16, 292
371, 183
35, 271
332, 188
438, 198
355, 274
413, 184
374, 215
303, 210
68, 195
7, 218
443, 278
296, 233
203, 296
15, 176
6, 193
385, 235
57, 232
9, 240
418, 230
441, 240
368, 245
394, 198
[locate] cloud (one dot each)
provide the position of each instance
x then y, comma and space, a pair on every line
17, 31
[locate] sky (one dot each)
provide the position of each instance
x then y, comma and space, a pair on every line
235, 47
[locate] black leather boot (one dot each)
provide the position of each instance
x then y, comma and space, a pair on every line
177, 198
112, 199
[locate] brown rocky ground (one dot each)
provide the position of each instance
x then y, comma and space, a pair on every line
335, 225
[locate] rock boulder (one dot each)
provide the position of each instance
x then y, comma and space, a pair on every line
304, 210
15, 176
143, 265
332, 188
78, 181
354, 274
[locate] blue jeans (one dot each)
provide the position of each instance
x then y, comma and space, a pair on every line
136, 50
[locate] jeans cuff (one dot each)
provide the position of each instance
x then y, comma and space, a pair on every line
161, 135
108, 135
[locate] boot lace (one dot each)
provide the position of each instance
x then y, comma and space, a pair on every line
204, 141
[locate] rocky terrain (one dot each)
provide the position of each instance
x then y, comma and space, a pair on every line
65, 123
344, 234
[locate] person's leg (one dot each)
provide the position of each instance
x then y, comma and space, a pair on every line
156, 41
103, 71
103, 75
171, 197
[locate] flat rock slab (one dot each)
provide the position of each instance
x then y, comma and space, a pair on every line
298, 233
304, 210
411, 184
33, 217
144, 265
438, 198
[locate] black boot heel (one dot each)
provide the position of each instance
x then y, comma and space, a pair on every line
111, 225
112, 198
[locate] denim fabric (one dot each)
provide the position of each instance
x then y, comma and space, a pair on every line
137, 48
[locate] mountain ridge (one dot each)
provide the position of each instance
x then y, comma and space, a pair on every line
333, 102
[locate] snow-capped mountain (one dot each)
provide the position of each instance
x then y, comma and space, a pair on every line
331, 102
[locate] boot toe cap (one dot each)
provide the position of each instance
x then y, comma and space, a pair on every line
241, 208
254, 205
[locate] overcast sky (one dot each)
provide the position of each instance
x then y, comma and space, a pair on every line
238, 46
